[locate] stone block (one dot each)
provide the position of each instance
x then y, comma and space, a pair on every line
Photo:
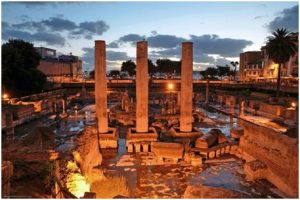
167, 150
212, 154
218, 153
222, 150
109, 140
195, 133
145, 147
222, 138
255, 170
133, 136
130, 148
236, 133
196, 160
137, 147
227, 149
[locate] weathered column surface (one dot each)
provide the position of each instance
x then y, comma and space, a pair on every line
101, 86
186, 103
142, 87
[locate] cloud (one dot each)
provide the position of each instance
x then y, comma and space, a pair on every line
131, 38
30, 25
51, 29
112, 57
260, 17
113, 44
288, 18
90, 28
213, 44
49, 38
59, 24
164, 41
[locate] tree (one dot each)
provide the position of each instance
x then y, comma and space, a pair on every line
234, 64
20, 75
114, 73
92, 74
128, 66
168, 66
223, 70
211, 72
281, 45
151, 67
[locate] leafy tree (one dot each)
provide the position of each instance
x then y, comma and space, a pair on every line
281, 45
168, 66
212, 72
92, 74
114, 73
20, 75
128, 66
223, 70
234, 64
151, 67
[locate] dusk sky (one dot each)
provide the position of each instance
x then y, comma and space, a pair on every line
220, 30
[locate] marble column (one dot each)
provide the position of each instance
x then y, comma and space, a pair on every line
101, 86
142, 87
186, 87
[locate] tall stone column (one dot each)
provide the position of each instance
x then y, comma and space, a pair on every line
101, 86
186, 102
142, 87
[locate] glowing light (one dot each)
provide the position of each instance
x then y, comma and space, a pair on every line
72, 166
274, 66
293, 104
5, 96
170, 86
76, 182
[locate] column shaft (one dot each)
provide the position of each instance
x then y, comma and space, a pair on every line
101, 86
186, 103
142, 87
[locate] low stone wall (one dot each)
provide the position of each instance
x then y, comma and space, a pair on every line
277, 151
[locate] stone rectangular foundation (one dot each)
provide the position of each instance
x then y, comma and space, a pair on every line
109, 140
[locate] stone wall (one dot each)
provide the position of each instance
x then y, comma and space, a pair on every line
88, 155
277, 151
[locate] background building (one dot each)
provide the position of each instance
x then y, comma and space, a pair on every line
271, 69
61, 68
250, 65
257, 65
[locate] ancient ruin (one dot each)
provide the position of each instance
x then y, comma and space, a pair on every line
108, 137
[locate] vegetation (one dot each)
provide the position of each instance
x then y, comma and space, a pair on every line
234, 64
114, 73
281, 45
20, 75
129, 67
212, 72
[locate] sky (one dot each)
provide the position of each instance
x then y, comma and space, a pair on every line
220, 31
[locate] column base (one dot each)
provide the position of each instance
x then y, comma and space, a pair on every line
195, 133
109, 140
140, 142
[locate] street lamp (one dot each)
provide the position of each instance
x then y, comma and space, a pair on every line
170, 86
5, 96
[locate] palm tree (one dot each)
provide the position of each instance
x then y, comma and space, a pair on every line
281, 45
234, 64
